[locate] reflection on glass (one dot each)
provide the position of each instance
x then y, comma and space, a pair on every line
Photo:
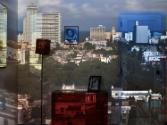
3, 35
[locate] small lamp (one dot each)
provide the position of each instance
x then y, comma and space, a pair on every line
43, 46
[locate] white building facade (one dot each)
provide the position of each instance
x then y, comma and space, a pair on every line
142, 34
41, 25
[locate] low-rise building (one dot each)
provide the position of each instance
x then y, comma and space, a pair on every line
98, 44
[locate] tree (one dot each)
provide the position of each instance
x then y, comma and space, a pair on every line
89, 46
105, 52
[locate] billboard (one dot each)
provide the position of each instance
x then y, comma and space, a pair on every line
71, 35
154, 20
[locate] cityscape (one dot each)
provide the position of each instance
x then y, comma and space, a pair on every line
129, 56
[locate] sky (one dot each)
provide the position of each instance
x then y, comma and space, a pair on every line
87, 13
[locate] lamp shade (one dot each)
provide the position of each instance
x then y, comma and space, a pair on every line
43, 46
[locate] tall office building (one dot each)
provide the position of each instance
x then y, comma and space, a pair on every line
30, 34
29, 24
142, 34
51, 28
41, 25
97, 33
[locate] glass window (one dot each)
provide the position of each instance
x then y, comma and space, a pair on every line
3, 36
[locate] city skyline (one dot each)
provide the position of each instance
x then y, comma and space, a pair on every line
93, 12
128, 63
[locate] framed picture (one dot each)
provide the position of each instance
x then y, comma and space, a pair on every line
71, 35
94, 83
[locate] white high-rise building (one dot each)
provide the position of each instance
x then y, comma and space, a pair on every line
98, 33
142, 34
51, 27
29, 23
41, 25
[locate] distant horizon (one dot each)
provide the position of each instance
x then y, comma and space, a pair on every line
62, 31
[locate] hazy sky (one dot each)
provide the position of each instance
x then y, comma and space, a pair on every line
87, 13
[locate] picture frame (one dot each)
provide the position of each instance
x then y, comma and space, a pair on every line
94, 83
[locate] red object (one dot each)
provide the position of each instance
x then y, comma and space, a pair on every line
43, 46
79, 108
